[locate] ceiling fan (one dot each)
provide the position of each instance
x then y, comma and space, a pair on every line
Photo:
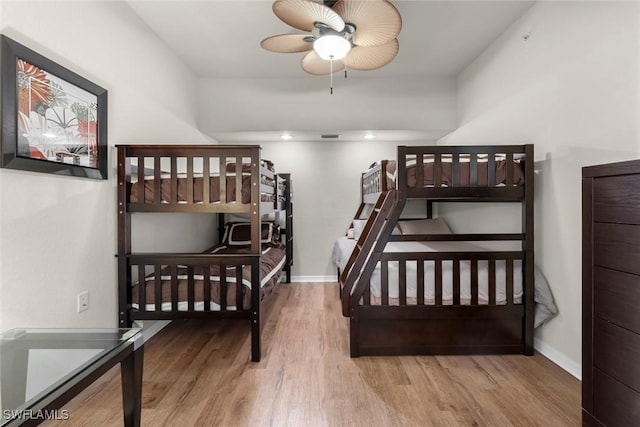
356, 34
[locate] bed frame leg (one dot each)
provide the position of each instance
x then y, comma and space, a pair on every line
353, 332
255, 312
529, 304
255, 336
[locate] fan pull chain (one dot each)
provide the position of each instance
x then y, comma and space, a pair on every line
346, 66
331, 73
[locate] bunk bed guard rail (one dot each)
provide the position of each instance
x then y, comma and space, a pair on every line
192, 178
474, 171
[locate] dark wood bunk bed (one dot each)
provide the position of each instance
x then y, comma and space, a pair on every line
203, 179
422, 321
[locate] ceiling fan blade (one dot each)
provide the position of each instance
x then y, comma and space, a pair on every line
377, 21
367, 58
303, 14
313, 64
287, 43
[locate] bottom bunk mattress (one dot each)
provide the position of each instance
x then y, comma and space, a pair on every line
271, 264
545, 307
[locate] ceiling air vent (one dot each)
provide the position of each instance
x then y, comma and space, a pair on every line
330, 136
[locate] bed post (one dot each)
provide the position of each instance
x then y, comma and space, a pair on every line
255, 310
528, 247
354, 329
256, 249
429, 209
220, 217
124, 240
256, 231
288, 224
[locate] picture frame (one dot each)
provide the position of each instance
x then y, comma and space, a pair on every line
53, 120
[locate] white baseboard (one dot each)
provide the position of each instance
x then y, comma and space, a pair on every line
150, 327
314, 279
558, 358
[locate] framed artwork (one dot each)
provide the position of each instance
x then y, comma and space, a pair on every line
53, 120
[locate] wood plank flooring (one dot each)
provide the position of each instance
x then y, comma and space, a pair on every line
199, 374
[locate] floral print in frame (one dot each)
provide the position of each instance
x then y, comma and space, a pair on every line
53, 120
57, 120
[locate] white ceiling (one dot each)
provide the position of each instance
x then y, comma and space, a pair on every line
221, 39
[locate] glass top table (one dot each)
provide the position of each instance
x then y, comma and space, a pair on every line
42, 369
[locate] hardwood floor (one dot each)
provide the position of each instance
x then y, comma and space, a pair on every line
199, 374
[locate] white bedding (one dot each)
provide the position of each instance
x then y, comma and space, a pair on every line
545, 308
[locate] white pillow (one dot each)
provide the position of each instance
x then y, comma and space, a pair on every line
356, 231
358, 226
424, 226
239, 217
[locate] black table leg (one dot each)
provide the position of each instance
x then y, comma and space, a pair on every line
131, 373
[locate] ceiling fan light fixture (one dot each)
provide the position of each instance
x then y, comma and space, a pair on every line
356, 34
332, 47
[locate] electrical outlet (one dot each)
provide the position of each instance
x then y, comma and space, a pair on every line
83, 301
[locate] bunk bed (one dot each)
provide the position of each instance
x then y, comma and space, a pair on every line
230, 279
414, 287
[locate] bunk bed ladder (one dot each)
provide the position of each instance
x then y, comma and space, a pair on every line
364, 246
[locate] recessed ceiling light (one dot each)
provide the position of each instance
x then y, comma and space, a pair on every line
369, 135
286, 136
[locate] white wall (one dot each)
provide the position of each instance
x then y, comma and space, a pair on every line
326, 174
304, 103
58, 234
571, 89
326, 186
